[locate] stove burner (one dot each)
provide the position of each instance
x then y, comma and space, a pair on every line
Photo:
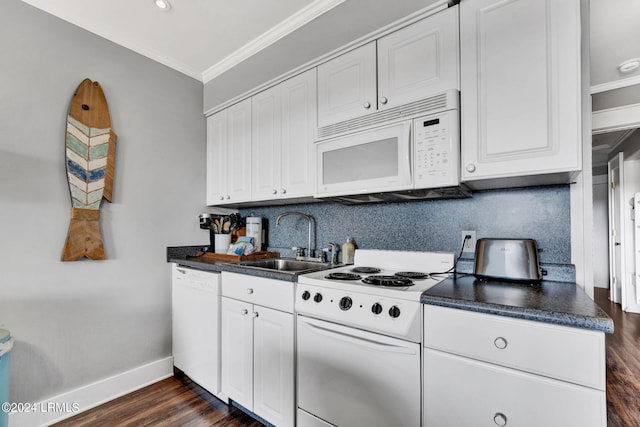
366, 270
343, 276
393, 281
414, 275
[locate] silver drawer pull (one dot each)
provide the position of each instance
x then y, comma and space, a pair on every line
245, 311
500, 419
500, 343
249, 291
255, 314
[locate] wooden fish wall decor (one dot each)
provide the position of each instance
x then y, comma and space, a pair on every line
90, 150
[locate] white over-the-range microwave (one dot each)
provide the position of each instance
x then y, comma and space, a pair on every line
414, 157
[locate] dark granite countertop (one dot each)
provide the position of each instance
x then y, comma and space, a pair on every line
187, 256
560, 303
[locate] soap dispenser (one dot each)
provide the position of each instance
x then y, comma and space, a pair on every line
348, 250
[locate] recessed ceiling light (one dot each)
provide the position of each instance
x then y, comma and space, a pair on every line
163, 4
629, 65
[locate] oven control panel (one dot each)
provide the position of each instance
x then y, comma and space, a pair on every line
385, 315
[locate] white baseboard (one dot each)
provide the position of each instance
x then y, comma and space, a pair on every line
73, 402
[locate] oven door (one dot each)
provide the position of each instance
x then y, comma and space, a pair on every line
348, 377
371, 161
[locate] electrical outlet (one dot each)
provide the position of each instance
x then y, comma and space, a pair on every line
469, 244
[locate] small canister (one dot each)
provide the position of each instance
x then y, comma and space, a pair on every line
254, 229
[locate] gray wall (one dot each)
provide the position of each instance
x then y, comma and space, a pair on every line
540, 213
341, 25
77, 322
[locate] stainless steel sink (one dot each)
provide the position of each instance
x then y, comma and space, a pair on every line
285, 265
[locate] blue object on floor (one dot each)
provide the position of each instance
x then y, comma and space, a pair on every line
6, 343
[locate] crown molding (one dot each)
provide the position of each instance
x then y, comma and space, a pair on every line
289, 25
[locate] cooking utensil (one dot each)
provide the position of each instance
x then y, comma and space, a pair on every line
225, 224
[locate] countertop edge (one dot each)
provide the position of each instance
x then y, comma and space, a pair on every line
230, 268
551, 317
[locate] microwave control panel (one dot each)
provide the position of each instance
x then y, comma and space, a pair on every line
436, 150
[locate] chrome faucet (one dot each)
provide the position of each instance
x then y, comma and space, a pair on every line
312, 222
334, 248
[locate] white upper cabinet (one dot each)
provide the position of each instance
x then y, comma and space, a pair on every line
347, 86
412, 63
228, 155
419, 60
520, 90
299, 124
283, 129
217, 158
265, 146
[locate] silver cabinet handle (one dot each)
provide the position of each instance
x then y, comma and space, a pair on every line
500, 419
283, 191
245, 311
274, 191
367, 105
255, 314
228, 197
500, 343
249, 291
221, 197
383, 100
471, 167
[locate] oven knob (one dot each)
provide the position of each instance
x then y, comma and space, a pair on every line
306, 295
376, 308
317, 297
394, 311
345, 303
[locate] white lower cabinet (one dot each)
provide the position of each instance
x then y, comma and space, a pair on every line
483, 369
463, 392
257, 345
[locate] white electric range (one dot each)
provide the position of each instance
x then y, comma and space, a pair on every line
380, 292
358, 339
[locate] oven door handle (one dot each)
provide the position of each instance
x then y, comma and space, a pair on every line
357, 340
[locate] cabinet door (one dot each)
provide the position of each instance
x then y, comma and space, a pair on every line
419, 60
274, 398
347, 86
460, 392
265, 144
520, 87
299, 124
216, 158
239, 152
237, 351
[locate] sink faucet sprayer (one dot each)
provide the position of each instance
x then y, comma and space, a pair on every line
312, 222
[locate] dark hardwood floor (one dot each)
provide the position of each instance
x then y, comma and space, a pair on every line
173, 402
179, 402
623, 364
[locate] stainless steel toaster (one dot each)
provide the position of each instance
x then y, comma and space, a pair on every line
507, 259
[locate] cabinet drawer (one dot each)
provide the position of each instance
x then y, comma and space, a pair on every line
462, 392
569, 354
276, 294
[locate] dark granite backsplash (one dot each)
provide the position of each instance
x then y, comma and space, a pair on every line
540, 213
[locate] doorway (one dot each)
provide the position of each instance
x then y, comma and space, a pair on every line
616, 170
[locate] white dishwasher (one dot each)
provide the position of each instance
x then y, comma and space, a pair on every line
196, 326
